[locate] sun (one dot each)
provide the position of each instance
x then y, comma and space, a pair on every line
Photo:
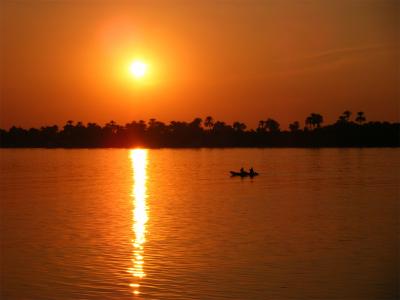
138, 69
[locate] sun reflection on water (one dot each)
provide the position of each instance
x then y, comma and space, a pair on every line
140, 217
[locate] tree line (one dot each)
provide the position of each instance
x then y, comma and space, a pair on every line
345, 132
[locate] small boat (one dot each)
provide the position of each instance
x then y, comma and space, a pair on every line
243, 174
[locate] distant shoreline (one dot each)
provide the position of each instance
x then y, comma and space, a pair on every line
205, 148
208, 134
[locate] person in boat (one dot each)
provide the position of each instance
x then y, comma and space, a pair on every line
241, 170
252, 171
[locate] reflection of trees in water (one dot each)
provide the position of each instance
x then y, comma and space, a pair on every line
210, 133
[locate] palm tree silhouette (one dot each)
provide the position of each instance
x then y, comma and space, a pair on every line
261, 126
314, 120
360, 117
272, 125
317, 119
195, 134
309, 122
347, 115
209, 122
196, 123
239, 127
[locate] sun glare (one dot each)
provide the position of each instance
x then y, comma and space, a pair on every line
138, 69
140, 216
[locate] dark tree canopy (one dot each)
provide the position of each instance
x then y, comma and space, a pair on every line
209, 133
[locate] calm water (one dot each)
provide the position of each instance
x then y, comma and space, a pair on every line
171, 224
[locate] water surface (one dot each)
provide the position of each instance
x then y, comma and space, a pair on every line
172, 224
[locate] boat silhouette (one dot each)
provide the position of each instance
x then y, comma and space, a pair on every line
243, 174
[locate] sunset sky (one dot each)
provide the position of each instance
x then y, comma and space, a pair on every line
240, 60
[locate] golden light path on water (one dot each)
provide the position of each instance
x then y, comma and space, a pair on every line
140, 217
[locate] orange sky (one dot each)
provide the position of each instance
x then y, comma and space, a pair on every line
235, 60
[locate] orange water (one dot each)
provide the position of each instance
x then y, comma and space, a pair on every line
172, 224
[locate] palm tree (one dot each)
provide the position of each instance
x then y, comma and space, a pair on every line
112, 127
360, 117
68, 128
314, 120
261, 126
309, 122
317, 119
220, 127
239, 127
272, 125
342, 119
295, 126
196, 123
152, 123
209, 122
347, 115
